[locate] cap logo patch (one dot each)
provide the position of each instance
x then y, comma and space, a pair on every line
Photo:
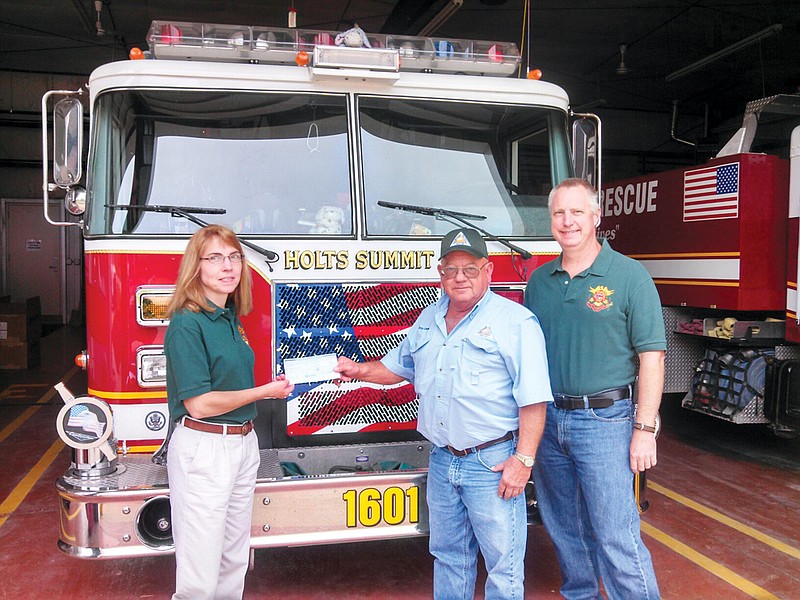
460, 240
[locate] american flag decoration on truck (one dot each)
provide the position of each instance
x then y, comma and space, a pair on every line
362, 322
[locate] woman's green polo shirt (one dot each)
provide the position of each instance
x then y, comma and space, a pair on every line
207, 351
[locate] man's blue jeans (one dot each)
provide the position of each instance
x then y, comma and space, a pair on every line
465, 514
584, 487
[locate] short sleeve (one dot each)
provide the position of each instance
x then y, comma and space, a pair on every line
646, 320
187, 358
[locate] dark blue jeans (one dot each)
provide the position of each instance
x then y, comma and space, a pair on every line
584, 486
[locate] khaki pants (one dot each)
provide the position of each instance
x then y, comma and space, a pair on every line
212, 481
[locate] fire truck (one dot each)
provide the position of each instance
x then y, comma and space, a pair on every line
721, 242
340, 166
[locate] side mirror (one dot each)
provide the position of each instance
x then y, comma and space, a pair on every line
75, 200
586, 148
67, 142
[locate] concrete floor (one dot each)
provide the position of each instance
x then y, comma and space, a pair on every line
722, 524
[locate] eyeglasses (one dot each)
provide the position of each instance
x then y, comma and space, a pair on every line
218, 259
470, 271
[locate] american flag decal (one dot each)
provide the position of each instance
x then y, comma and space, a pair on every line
362, 322
80, 417
711, 193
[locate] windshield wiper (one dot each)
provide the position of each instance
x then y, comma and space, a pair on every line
432, 211
443, 214
186, 212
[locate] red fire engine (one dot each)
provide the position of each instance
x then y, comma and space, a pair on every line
721, 242
340, 168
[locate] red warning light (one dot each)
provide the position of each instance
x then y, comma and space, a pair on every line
302, 59
136, 54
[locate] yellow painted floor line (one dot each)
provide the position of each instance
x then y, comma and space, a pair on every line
732, 523
713, 567
18, 494
28, 413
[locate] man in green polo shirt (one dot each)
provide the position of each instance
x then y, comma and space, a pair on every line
600, 312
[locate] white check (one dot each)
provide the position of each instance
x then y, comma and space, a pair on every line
310, 368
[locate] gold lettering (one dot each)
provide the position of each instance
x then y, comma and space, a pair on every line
328, 256
408, 259
392, 259
306, 260
361, 260
290, 259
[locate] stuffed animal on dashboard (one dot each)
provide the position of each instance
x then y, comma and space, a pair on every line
329, 219
353, 38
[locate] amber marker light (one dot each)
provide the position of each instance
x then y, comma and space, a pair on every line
302, 59
535, 74
82, 360
136, 54
152, 306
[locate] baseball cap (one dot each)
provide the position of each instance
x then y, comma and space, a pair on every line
464, 239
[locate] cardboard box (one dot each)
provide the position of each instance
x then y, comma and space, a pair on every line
19, 355
30, 307
20, 333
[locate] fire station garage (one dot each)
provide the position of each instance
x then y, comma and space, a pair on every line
127, 126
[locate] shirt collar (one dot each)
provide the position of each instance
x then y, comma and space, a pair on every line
218, 312
600, 266
444, 302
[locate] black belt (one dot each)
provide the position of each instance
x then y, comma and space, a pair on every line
602, 399
505, 438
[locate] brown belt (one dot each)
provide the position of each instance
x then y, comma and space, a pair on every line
505, 438
221, 428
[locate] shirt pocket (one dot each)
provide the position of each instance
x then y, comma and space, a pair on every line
417, 341
480, 355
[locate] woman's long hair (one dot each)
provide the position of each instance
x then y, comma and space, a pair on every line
189, 293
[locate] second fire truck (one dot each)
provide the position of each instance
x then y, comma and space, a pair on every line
721, 242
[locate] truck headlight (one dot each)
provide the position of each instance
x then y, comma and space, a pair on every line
151, 366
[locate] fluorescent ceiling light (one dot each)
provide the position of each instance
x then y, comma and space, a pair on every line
756, 37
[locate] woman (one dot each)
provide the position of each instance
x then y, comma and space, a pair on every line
213, 454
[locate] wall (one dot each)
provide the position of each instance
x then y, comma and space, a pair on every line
21, 160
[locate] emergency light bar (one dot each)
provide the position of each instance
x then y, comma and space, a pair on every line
387, 53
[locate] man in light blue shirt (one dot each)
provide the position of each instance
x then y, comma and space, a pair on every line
479, 367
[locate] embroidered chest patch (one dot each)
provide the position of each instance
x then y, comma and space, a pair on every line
599, 298
486, 332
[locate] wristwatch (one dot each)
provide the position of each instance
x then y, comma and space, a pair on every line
655, 428
524, 459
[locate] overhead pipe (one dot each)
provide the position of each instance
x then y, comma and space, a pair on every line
741, 44
674, 122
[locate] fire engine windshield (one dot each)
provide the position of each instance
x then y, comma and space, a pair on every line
281, 163
272, 161
494, 160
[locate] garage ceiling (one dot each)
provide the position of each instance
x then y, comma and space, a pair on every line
576, 43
